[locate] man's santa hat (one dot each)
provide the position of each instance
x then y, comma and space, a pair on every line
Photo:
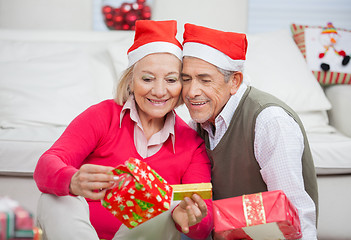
154, 37
226, 50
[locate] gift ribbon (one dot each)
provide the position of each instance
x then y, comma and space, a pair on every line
254, 209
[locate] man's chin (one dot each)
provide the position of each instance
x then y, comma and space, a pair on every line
199, 119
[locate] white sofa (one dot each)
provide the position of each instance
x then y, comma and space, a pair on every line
47, 78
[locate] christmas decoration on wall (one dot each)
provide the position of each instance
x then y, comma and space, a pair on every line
123, 16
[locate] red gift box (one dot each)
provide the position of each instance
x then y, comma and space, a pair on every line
138, 195
15, 221
266, 215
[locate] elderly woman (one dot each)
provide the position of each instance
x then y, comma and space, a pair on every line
140, 122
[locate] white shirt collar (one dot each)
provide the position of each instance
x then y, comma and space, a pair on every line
226, 115
168, 128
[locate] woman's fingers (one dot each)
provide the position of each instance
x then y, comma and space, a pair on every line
90, 179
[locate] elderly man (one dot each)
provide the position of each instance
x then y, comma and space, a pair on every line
255, 141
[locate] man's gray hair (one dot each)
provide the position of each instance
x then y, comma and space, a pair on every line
228, 73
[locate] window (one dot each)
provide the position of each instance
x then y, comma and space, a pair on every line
271, 15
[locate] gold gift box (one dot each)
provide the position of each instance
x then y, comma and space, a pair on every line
204, 190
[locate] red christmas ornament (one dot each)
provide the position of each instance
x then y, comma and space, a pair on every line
126, 7
124, 17
125, 26
146, 12
109, 23
131, 17
117, 19
137, 6
106, 9
109, 16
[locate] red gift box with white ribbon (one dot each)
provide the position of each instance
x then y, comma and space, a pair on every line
138, 195
266, 215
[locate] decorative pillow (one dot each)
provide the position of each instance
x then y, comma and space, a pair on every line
49, 90
275, 65
327, 51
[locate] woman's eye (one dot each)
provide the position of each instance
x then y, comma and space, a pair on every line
146, 78
171, 80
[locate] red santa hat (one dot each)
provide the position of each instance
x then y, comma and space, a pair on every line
154, 37
226, 50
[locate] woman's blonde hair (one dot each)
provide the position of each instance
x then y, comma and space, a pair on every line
123, 88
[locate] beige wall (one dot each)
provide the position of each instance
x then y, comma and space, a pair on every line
228, 15
46, 14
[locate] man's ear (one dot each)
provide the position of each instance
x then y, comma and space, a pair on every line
236, 79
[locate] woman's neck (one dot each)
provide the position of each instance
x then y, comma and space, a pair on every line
151, 125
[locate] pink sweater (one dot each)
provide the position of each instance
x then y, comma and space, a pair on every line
95, 137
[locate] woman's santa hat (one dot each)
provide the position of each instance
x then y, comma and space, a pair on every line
226, 50
154, 37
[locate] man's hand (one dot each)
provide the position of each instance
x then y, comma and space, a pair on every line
189, 212
91, 181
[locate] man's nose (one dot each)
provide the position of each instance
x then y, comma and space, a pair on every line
193, 89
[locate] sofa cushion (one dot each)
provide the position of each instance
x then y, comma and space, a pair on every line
274, 64
45, 90
340, 114
51, 82
314, 44
331, 153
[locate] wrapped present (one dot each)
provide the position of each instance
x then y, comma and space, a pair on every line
138, 195
204, 190
266, 215
16, 222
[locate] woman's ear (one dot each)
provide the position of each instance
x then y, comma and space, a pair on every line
130, 87
236, 80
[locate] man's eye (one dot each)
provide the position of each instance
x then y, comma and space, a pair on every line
206, 80
186, 79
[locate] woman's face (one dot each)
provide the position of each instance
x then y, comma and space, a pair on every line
156, 85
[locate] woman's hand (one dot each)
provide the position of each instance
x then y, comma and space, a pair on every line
189, 212
91, 181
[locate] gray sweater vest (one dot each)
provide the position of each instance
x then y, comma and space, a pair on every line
235, 170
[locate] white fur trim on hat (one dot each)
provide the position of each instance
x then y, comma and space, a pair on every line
153, 47
212, 55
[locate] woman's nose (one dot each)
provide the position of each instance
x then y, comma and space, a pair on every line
159, 89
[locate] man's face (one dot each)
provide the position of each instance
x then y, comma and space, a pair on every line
205, 92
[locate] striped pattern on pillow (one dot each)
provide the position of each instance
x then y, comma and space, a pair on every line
324, 78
